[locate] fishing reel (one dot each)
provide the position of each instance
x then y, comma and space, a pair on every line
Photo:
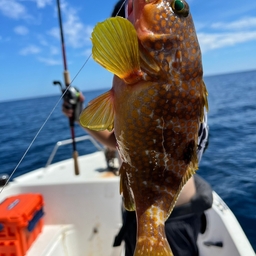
73, 99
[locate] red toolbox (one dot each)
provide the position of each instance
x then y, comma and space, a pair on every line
20, 223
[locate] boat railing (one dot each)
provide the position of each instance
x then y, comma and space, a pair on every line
69, 141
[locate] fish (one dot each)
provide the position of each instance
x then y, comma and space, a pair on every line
155, 106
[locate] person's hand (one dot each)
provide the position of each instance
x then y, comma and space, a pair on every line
73, 103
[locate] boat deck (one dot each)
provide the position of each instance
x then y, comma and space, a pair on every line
83, 212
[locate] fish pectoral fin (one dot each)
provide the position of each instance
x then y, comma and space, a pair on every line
99, 114
115, 47
125, 189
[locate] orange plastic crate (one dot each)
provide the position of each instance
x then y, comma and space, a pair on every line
20, 223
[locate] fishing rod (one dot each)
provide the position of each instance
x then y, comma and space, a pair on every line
5, 179
67, 84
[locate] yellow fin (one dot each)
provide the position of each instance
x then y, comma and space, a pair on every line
124, 188
205, 95
204, 101
115, 47
99, 114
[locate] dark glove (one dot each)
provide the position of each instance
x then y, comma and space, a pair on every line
73, 100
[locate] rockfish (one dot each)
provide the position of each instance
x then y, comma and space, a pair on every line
155, 107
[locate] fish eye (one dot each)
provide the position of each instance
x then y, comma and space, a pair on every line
180, 7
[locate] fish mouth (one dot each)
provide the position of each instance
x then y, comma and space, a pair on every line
141, 15
134, 8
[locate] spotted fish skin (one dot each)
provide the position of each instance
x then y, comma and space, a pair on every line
157, 145
157, 105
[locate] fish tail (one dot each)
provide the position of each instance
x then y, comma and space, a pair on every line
115, 47
151, 238
151, 247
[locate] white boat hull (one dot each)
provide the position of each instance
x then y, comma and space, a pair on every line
83, 213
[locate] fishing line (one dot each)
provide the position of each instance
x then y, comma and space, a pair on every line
121, 7
50, 114
44, 123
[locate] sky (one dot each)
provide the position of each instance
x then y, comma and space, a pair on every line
31, 57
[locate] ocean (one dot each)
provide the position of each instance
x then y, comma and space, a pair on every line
229, 163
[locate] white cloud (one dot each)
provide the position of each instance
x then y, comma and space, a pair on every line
76, 33
31, 49
43, 3
21, 30
75, 30
229, 34
245, 23
50, 61
12, 9
220, 40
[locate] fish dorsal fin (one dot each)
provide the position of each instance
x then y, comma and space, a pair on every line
115, 47
99, 114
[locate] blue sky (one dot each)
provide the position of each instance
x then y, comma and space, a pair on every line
31, 57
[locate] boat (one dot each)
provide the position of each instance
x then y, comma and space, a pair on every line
82, 213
